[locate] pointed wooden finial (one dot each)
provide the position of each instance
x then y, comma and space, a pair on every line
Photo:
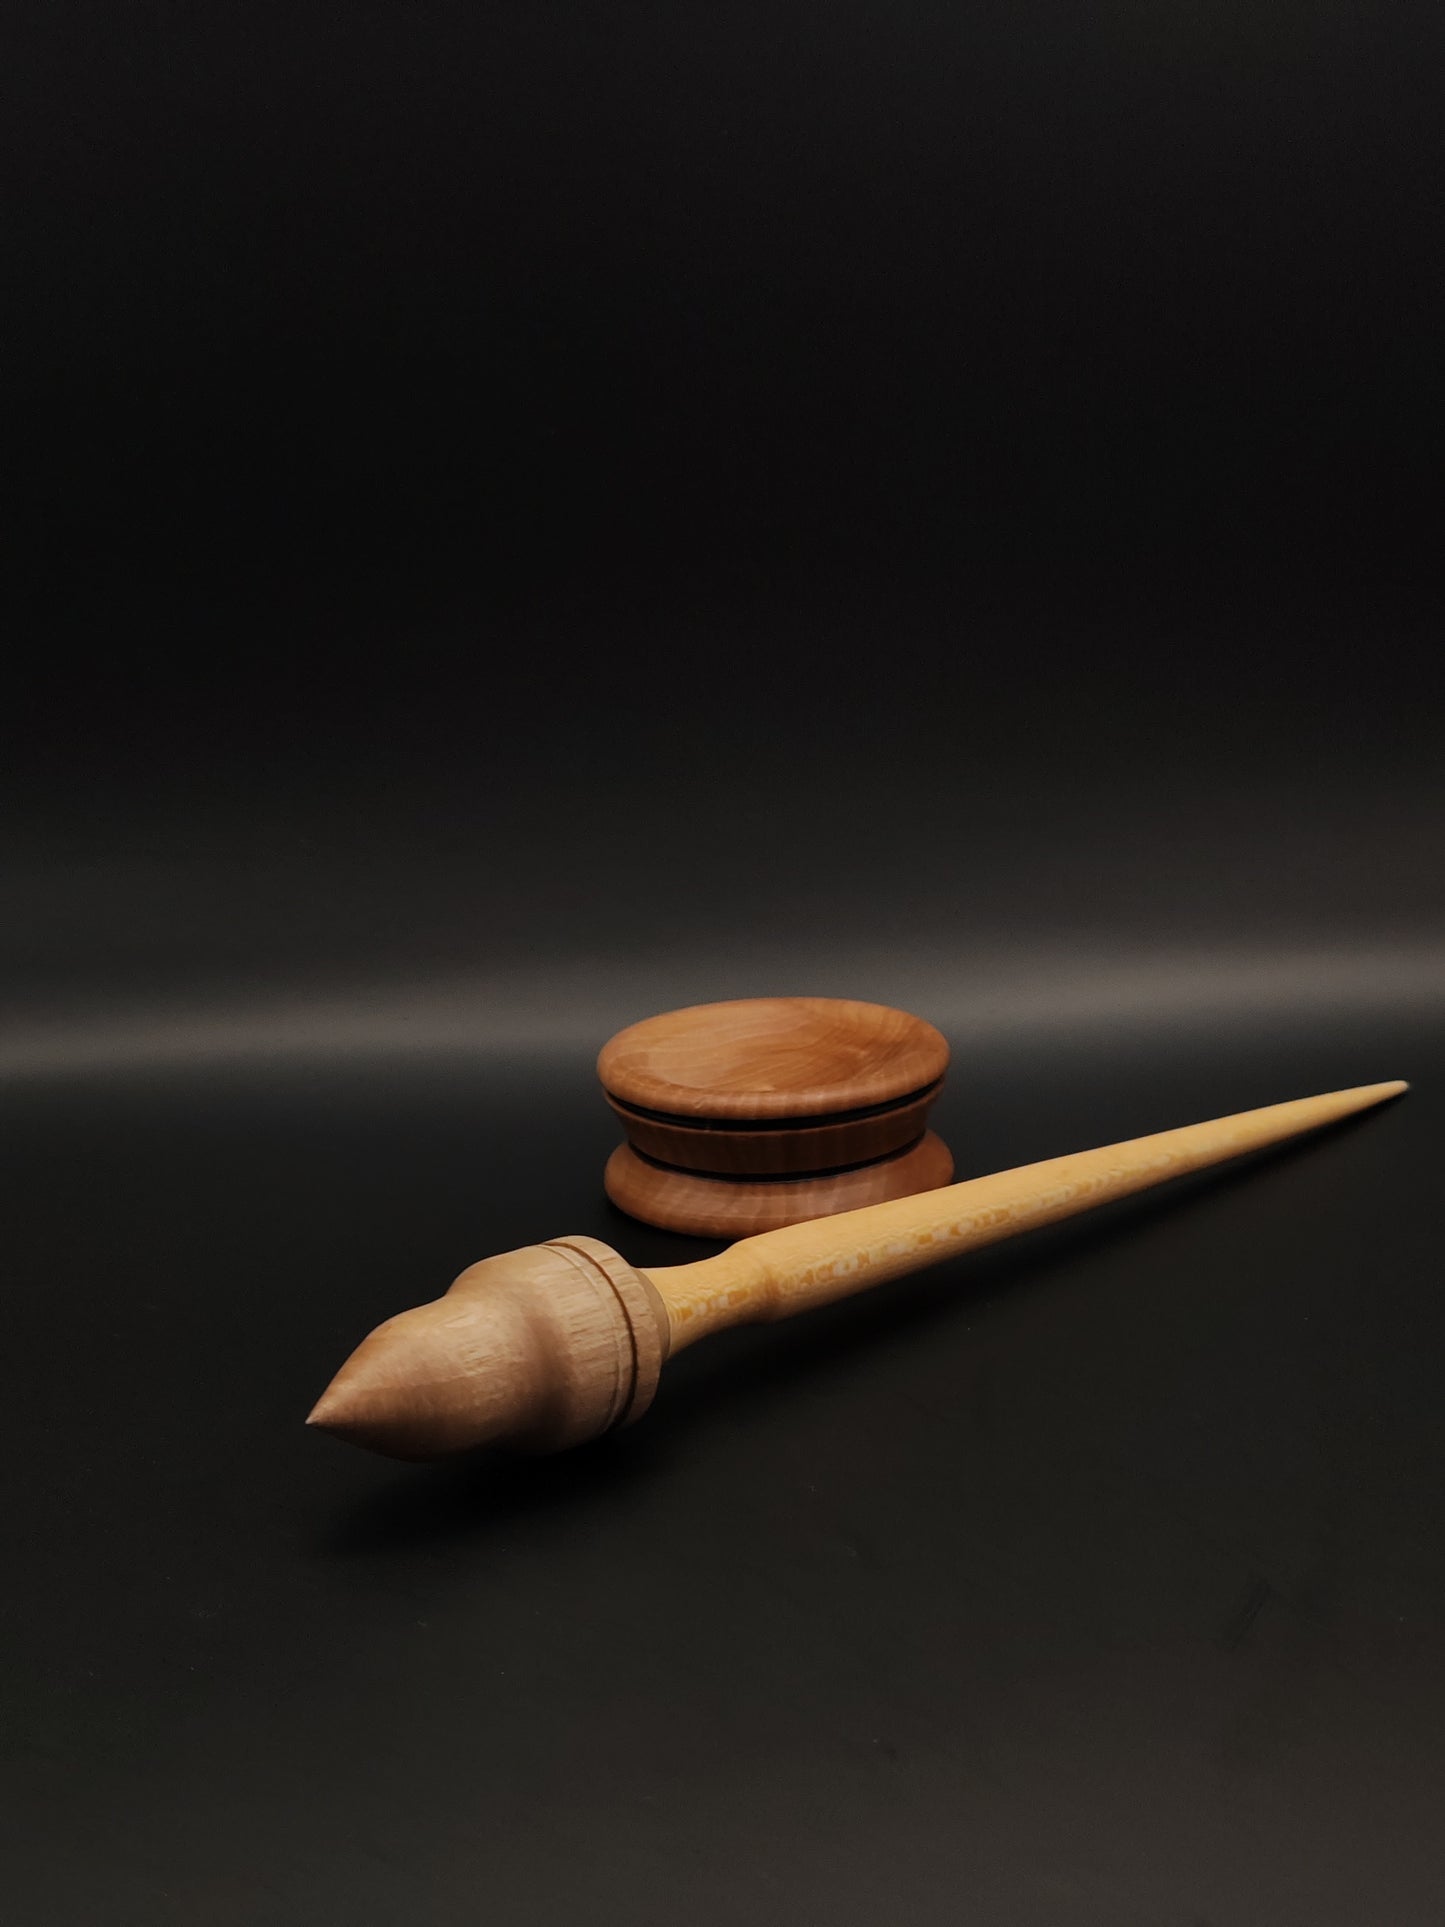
541, 1347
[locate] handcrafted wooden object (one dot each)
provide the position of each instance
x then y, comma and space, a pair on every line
746, 1116
557, 1343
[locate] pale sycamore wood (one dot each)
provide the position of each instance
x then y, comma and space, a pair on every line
783, 1272
548, 1346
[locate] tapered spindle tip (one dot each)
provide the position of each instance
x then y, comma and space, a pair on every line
537, 1348
401, 1391
338, 1409
1369, 1094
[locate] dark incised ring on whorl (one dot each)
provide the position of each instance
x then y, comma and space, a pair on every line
749, 1115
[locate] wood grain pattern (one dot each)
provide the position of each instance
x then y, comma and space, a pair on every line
816, 1089
775, 1149
708, 1207
544, 1347
772, 1057
788, 1271
555, 1344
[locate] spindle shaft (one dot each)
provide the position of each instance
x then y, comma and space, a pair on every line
778, 1273
557, 1343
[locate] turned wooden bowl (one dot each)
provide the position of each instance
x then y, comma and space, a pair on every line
745, 1116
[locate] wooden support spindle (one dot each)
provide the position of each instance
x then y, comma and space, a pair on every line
557, 1343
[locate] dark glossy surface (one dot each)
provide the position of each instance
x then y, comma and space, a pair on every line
1096, 1578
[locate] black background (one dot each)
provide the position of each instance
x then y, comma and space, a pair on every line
520, 518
